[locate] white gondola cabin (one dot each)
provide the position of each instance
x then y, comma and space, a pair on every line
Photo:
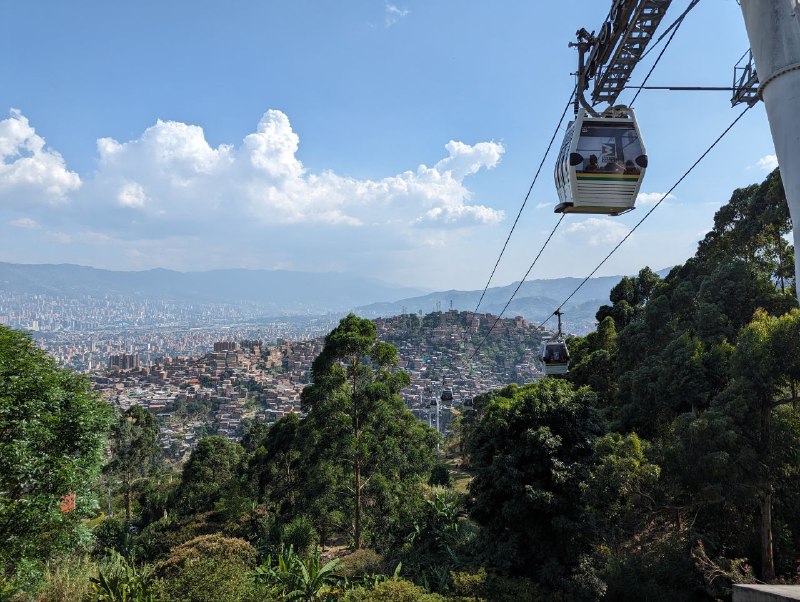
601, 163
554, 354
555, 357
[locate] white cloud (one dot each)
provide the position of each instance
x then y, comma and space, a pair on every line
169, 198
597, 231
63, 238
25, 222
394, 14
132, 195
648, 198
767, 162
544, 205
29, 171
171, 175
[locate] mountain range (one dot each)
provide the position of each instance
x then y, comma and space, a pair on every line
282, 292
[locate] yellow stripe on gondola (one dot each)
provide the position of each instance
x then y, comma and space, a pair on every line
605, 177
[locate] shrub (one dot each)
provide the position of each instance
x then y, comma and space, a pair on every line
112, 534
208, 568
297, 578
440, 475
395, 590
119, 580
300, 535
360, 563
66, 579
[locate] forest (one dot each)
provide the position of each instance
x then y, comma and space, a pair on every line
665, 466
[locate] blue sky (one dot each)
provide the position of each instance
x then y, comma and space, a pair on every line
393, 139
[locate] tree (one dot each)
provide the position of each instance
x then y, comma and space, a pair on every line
52, 437
134, 449
532, 450
274, 468
208, 474
362, 440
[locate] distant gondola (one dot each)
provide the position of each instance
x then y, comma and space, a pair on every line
601, 164
555, 357
447, 395
554, 353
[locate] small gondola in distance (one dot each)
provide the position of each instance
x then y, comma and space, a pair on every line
555, 357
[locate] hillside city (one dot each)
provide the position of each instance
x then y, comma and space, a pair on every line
219, 386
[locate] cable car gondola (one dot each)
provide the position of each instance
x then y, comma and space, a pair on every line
601, 164
554, 353
447, 395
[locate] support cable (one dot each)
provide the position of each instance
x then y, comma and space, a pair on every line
516, 290
646, 215
674, 27
527, 196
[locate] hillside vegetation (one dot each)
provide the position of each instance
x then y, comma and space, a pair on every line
663, 467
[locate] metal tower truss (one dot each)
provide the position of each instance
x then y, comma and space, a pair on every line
644, 17
745, 81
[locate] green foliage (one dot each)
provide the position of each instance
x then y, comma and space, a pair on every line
134, 449
300, 535
532, 453
66, 579
299, 579
274, 468
208, 568
212, 470
121, 581
52, 437
360, 563
113, 534
440, 475
364, 450
394, 590
432, 548
659, 571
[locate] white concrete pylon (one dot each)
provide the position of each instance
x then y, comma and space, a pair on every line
773, 27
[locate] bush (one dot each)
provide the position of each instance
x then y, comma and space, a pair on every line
209, 568
117, 579
112, 534
360, 563
66, 580
396, 590
300, 535
440, 475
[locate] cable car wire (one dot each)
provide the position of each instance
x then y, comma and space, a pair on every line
527, 196
674, 27
646, 215
516, 290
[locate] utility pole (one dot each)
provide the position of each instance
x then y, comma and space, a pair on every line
773, 27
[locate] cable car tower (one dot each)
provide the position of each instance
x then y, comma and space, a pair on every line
602, 160
773, 28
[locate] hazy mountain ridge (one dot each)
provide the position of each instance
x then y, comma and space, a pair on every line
278, 290
286, 292
535, 301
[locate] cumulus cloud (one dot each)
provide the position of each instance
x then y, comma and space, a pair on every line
394, 14
171, 175
25, 222
597, 231
648, 198
29, 171
767, 162
169, 198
